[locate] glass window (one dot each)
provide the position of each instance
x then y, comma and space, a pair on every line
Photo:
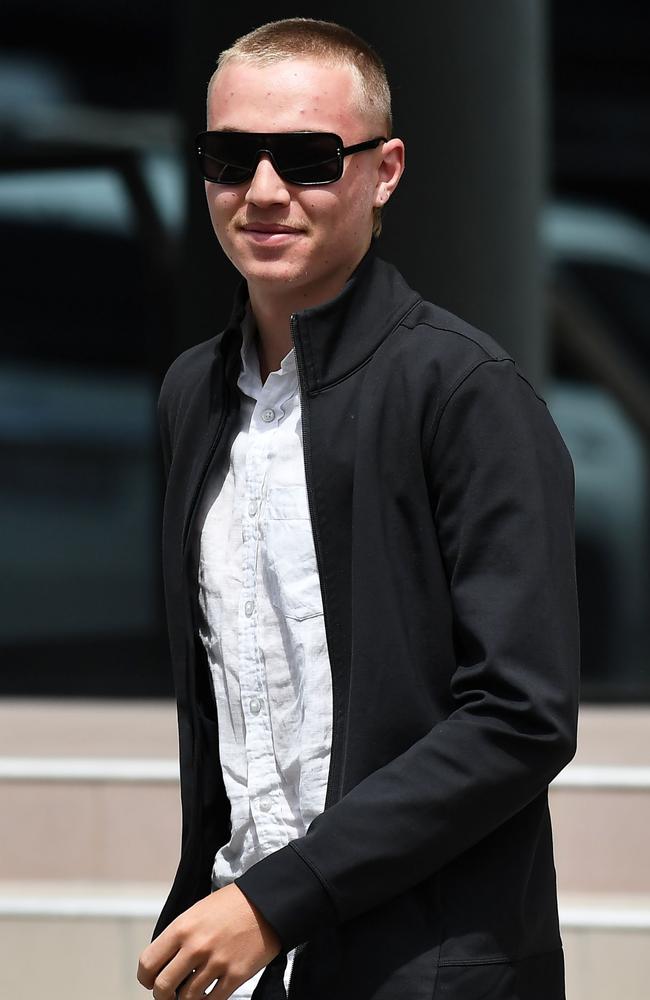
596, 233
91, 203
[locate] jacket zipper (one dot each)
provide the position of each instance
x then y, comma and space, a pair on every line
301, 388
306, 440
332, 783
301, 385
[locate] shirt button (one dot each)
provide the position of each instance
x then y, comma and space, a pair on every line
249, 607
265, 804
268, 416
252, 508
255, 704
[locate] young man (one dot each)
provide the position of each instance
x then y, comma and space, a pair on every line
369, 572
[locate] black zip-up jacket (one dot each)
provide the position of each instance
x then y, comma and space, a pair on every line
441, 500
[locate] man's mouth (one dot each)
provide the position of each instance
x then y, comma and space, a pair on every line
270, 233
268, 227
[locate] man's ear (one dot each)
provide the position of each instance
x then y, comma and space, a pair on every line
390, 170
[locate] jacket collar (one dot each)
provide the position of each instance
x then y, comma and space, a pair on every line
337, 337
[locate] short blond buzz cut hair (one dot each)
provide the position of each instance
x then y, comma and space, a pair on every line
303, 37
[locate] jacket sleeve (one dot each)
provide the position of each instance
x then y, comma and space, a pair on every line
164, 424
177, 387
502, 497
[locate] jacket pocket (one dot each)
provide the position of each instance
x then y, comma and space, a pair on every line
293, 582
538, 977
389, 952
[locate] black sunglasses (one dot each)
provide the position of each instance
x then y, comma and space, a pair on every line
298, 157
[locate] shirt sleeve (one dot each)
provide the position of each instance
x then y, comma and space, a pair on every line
502, 496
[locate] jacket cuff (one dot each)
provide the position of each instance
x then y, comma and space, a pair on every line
289, 895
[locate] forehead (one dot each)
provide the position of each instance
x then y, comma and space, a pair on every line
291, 95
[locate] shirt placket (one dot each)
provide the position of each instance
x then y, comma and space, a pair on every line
263, 782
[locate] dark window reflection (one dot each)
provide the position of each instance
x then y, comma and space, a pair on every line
599, 290
92, 184
80, 492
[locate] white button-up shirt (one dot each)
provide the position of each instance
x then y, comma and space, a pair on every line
263, 629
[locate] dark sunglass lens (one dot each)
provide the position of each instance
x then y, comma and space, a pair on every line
218, 172
300, 158
228, 158
308, 158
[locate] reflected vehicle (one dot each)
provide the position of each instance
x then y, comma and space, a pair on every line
81, 483
599, 395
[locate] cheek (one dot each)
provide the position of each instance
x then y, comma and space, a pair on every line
222, 206
330, 210
350, 219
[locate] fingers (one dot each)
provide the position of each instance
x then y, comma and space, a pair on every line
156, 956
224, 988
220, 936
203, 983
167, 981
190, 986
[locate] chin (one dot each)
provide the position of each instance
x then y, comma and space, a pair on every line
273, 271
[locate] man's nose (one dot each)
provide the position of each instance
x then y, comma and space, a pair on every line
266, 186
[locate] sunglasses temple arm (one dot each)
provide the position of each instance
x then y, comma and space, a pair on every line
360, 146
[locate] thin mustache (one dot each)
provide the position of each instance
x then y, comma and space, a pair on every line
265, 223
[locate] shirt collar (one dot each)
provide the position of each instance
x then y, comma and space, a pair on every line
249, 380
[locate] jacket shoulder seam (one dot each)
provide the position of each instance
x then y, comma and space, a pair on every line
463, 378
464, 375
489, 355
466, 336
530, 384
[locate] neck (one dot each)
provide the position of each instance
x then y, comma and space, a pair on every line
273, 322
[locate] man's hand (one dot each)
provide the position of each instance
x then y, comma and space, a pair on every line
223, 937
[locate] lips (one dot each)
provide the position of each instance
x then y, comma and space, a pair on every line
268, 227
270, 235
